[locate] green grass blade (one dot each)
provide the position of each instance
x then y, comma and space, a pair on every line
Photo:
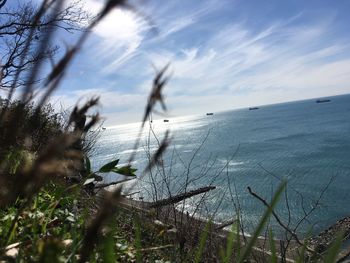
333, 251
203, 240
108, 249
264, 219
229, 244
273, 258
238, 236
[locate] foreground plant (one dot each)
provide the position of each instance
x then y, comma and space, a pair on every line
48, 207
46, 182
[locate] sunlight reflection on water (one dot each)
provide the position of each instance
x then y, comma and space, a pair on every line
303, 142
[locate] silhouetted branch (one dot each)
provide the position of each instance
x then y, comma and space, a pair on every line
275, 215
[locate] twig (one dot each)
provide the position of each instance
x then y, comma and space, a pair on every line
275, 215
155, 248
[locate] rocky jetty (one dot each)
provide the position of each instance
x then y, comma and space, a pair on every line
321, 242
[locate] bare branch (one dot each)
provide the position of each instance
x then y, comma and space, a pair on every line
275, 215
24, 29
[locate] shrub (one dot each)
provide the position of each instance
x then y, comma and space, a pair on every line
34, 127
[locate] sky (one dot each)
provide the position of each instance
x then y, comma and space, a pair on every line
223, 55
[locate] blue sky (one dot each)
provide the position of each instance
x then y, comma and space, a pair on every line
223, 54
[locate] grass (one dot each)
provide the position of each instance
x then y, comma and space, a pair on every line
48, 208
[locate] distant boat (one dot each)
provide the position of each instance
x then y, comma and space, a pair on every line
166, 120
210, 113
103, 128
253, 108
322, 101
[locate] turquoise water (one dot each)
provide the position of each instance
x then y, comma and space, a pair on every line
305, 142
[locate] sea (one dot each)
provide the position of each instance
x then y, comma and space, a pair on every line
304, 143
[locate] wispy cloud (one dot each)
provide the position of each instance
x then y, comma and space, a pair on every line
123, 31
218, 61
280, 55
119, 35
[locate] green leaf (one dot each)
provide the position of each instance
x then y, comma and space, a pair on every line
108, 167
125, 170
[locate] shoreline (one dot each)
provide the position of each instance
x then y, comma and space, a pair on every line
319, 242
167, 216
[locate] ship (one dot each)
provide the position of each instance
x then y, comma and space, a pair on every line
322, 100
253, 108
210, 113
166, 120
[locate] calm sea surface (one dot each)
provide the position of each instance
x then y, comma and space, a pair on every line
306, 143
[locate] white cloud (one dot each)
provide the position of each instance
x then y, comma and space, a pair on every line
121, 33
281, 63
179, 24
235, 66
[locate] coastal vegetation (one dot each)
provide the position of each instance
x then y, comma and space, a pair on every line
53, 204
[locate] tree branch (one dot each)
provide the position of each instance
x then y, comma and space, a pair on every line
275, 215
